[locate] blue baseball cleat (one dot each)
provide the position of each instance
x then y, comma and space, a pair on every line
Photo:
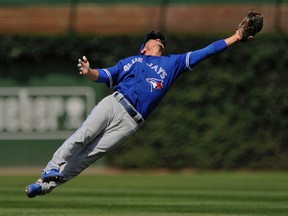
33, 190
52, 175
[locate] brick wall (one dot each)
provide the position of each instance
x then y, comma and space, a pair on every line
121, 19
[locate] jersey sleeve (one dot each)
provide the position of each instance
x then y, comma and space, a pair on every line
197, 56
109, 75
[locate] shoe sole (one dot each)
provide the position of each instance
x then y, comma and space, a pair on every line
52, 178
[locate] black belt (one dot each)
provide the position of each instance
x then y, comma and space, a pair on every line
129, 108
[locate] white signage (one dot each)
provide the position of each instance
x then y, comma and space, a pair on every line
43, 112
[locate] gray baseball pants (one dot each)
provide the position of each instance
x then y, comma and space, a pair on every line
106, 126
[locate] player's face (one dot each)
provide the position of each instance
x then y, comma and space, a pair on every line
153, 47
154, 43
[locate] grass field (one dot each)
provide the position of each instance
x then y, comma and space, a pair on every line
204, 194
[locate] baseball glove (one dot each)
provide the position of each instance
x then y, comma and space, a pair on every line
250, 25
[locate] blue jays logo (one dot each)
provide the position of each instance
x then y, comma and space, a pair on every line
155, 83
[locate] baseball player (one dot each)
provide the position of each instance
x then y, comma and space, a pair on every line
139, 83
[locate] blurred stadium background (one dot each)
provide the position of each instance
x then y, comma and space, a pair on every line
122, 17
42, 100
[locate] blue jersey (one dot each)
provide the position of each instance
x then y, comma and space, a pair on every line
144, 80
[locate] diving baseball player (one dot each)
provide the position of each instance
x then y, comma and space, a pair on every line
139, 83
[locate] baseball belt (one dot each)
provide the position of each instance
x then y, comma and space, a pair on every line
129, 108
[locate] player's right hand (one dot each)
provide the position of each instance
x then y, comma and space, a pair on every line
83, 66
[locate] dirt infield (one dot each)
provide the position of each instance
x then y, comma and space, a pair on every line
92, 170
11, 171
122, 19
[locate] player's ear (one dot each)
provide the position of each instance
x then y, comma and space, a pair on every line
143, 51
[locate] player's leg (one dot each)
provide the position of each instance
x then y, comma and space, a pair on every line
94, 124
120, 126
112, 137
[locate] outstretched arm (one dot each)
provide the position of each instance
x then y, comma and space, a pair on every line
212, 49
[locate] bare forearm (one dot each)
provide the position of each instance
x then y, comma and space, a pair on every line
233, 39
92, 74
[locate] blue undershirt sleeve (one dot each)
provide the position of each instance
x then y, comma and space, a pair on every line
220, 45
201, 54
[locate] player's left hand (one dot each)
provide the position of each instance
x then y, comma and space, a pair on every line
250, 25
83, 65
